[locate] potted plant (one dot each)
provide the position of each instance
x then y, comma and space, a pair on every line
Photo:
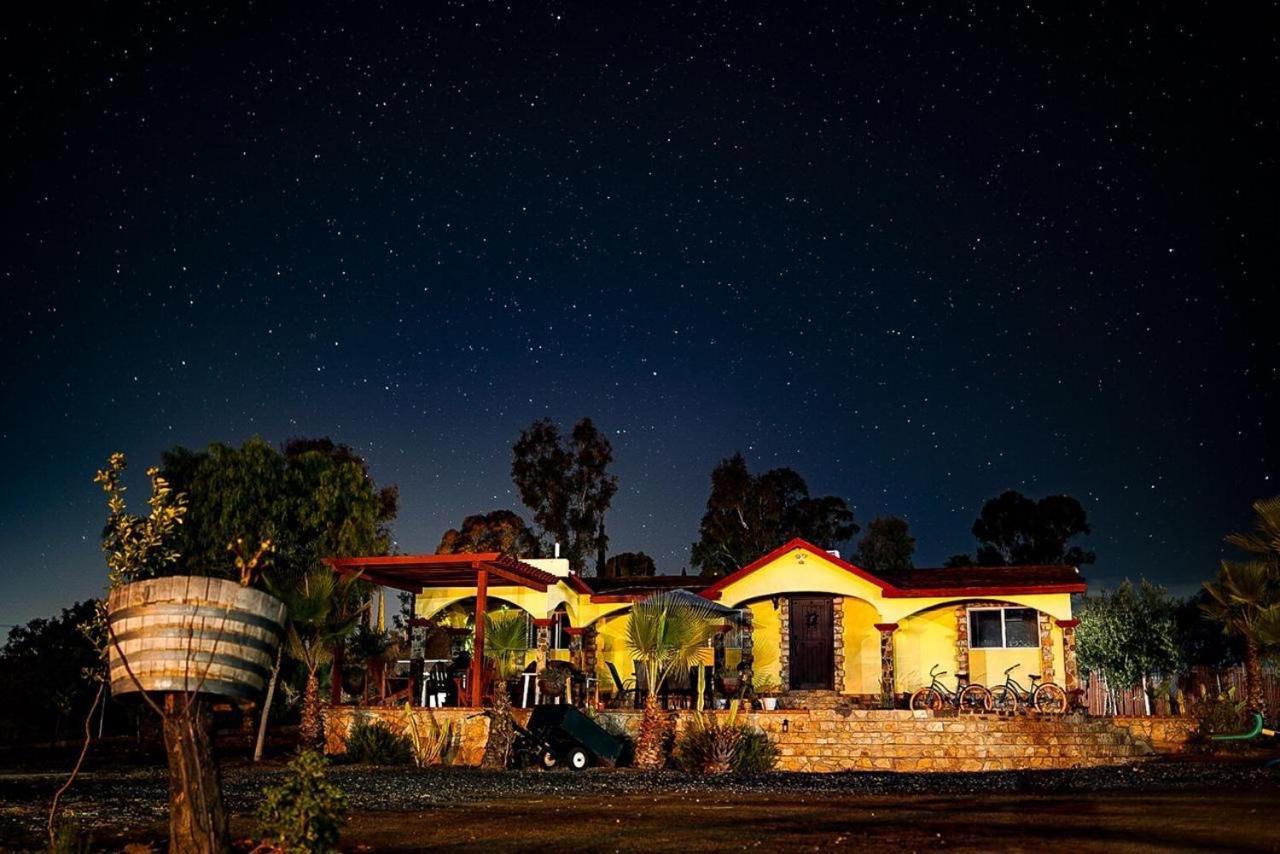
730, 680
552, 679
175, 641
767, 689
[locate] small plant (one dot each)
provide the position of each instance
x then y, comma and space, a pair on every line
1216, 714
712, 746
376, 744
553, 680
305, 812
431, 747
766, 685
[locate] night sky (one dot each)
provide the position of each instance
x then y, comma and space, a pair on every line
919, 256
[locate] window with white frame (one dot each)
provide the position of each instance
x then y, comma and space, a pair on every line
1003, 628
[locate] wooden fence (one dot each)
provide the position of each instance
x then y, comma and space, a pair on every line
1173, 697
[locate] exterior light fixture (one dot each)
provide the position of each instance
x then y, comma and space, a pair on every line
786, 725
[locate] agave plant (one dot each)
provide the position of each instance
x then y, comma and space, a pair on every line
665, 632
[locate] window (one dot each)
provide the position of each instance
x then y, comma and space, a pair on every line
997, 628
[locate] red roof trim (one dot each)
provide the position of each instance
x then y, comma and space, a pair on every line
407, 572
889, 590
984, 590
575, 581
713, 591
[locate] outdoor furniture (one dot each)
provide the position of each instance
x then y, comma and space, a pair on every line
642, 682
677, 685
620, 689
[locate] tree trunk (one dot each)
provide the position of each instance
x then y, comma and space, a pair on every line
266, 707
1253, 676
197, 819
310, 730
649, 752
502, 732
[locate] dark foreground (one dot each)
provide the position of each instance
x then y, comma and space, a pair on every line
1165, 805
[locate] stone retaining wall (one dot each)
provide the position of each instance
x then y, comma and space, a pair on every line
899, 740
1165, 733
854, 740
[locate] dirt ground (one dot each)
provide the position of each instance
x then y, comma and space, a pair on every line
1181, 821
1156, 807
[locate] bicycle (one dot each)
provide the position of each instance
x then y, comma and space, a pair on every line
1046, 698
971, 698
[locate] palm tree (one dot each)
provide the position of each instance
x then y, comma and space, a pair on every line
665, 632
321, 615
1245, 598
1242, 594
506, 636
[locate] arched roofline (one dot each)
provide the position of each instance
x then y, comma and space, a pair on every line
440, 605
1007, 601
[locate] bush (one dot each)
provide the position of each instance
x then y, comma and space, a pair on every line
1222, 713
305, 812
376, 744
709, 746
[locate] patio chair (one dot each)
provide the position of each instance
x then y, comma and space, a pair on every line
678, 685
642, 682
620, 688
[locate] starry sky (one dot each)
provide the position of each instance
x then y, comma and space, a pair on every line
921, 253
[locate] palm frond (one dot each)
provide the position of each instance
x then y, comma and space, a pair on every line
666, 632
505, 638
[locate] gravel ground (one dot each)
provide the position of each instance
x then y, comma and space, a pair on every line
139, 795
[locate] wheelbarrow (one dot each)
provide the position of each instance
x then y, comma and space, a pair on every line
560, 735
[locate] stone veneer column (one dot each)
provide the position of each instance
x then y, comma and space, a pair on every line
1046, 647
837, 641
544, 644
748, 665
962, 639
887, 676
590, 649
575, 647
1071, 672
784, 642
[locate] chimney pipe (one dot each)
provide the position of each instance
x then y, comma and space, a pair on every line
557, 550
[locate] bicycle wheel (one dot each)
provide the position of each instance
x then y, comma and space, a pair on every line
1049, 699
926, 699
975, 698
1004, 699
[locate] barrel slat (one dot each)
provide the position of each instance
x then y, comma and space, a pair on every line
193, 633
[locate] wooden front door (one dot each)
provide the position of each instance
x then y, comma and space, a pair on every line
812, 654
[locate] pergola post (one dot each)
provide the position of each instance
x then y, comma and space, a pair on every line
477, 643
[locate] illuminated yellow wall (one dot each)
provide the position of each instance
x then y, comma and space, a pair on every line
861, 648
921, 642
765, 636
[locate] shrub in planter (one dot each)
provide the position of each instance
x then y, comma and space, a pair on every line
552, 680
374, 743
305, 812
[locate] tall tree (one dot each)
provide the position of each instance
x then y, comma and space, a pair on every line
887, 545
47, 668
496, 531
1014, 530
629, 565
748, 515
567, 486
1130, 635
314, 499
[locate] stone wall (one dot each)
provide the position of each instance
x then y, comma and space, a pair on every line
854, 740
884, 740
470, 727
1167, 734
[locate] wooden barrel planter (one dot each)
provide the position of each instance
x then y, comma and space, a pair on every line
190, 633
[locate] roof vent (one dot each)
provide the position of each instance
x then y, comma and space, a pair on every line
835, 553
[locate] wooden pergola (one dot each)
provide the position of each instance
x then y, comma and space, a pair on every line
416, 573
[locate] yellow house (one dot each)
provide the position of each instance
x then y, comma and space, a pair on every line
818, 622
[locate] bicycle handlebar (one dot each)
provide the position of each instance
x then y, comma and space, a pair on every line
1011, 669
